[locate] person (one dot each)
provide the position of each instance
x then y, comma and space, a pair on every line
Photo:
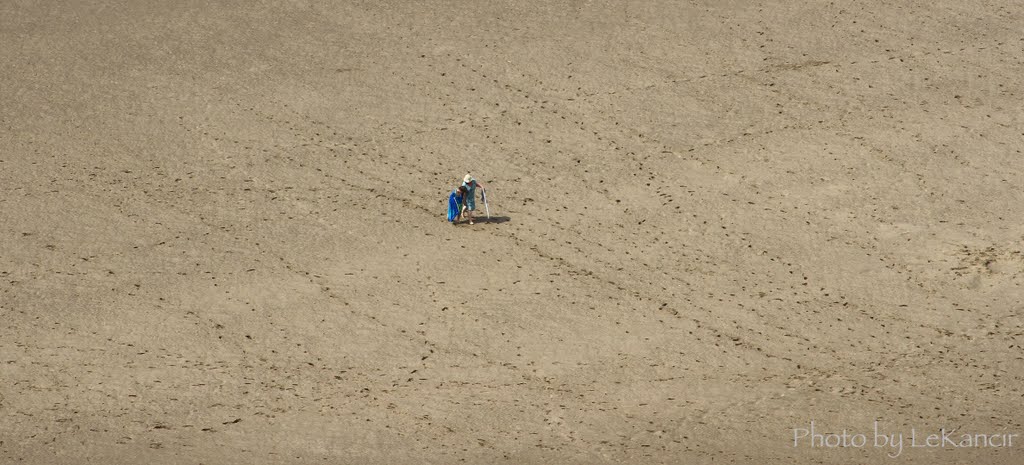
469, 197
455, 202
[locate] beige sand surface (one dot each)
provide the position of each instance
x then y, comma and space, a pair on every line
222, 236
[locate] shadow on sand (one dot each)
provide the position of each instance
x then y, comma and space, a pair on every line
493, 219
485, 220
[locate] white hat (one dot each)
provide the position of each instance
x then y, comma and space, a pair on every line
467, 179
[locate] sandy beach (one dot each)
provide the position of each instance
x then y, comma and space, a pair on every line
713, 224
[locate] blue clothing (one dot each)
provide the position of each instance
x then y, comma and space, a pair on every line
454, 205
470, 200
